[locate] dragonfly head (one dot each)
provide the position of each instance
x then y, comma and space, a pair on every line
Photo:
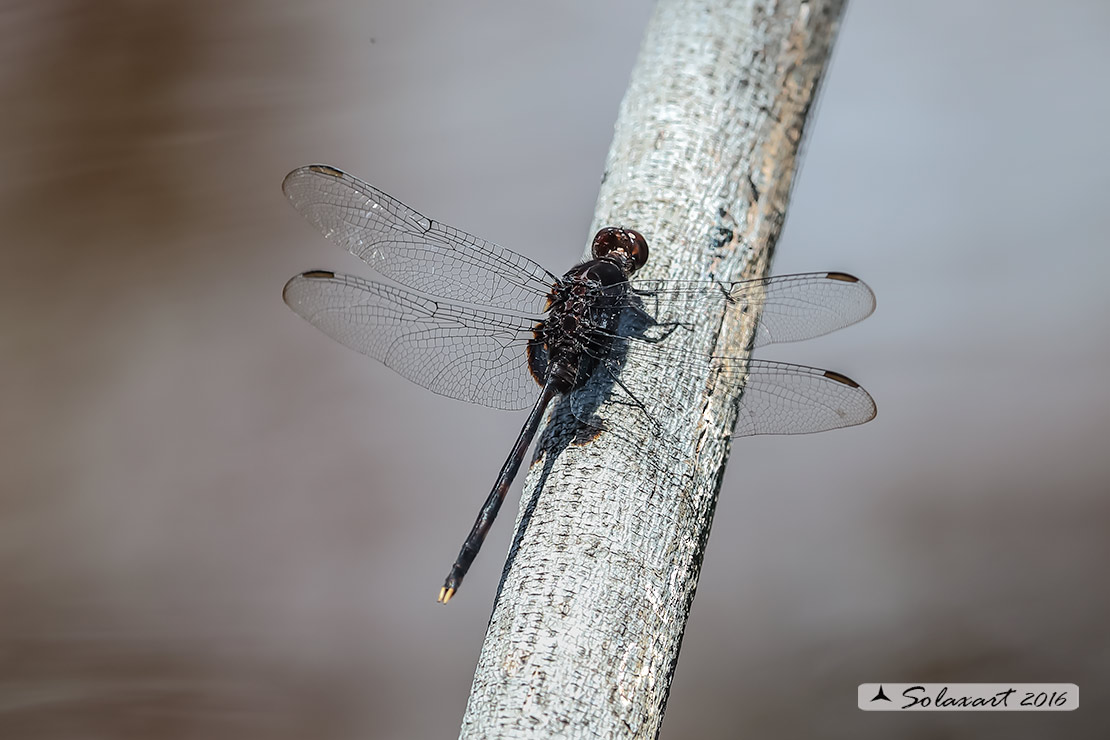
625, 246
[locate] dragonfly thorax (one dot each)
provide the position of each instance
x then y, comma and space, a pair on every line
583, 311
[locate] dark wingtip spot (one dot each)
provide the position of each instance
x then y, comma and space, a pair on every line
323, 169
843, 277
841, 379
310, 275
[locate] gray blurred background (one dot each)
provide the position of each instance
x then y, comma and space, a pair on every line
217, 523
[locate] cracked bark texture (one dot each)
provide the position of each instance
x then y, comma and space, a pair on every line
589, 618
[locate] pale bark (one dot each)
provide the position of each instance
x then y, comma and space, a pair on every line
588, 622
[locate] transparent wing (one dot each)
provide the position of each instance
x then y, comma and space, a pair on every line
791, 307
775, 397
411, 248
779, 398
457, 351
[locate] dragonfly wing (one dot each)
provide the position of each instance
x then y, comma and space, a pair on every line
406, 246
791, 307
780, 398
457, 351
774, 397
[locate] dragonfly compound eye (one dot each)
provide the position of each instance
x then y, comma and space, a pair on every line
637, 247
631, 243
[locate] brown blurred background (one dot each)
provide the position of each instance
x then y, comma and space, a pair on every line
217, 523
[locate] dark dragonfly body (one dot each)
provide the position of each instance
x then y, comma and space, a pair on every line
487, 325
583, 312
584, 309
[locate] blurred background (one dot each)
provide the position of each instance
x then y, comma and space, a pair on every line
216, 523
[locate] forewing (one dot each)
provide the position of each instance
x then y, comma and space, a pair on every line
791, 307
406, 246
457, 351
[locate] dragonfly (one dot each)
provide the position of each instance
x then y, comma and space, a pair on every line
477, 322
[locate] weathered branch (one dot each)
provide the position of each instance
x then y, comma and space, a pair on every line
587, 626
